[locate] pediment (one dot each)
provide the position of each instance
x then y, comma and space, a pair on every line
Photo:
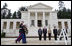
40, 5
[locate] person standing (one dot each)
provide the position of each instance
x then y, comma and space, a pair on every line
55, 32
44, 32
49, 34
40, 33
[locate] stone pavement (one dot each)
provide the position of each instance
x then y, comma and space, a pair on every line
34, 41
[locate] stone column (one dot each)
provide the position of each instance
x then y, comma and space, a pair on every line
43, 19
14, 25
35, 19
8, 25
15, 31
1, 26
51, 24
69, 25
63, 26
28, 19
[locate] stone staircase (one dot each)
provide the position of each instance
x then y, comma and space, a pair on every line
33, 32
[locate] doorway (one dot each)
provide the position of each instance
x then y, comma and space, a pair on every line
39, 23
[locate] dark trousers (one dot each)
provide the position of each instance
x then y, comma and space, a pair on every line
44, 36
19, 37
66, 31
55, 36
23, 37
49, 35
40, 37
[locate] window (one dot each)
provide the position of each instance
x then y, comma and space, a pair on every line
39, 23
32, 22
59, 25
17, 24
66, 25
4, 25
11, 25
46, 22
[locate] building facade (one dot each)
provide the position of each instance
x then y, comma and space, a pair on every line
38, 15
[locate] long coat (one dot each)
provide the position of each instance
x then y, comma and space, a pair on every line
55, 31
39, 31
45, 31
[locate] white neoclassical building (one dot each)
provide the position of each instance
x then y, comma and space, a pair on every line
38, 15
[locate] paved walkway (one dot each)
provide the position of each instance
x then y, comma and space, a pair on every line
33, 41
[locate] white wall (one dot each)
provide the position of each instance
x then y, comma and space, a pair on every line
33, 31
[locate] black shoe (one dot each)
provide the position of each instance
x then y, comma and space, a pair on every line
16, 41
39, 40
44, 40
55, 39
24, 42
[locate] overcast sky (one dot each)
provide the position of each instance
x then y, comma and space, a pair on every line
15, 5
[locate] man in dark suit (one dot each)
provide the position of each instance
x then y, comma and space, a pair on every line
44, 32
40, 33
55, 32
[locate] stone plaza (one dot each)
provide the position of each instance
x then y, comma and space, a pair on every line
34, 41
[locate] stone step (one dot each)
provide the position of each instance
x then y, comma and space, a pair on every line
33, 41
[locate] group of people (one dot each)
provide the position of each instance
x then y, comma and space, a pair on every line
23, 30
22, 33
55, 32
44, 32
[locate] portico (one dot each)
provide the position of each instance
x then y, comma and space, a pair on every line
38, 17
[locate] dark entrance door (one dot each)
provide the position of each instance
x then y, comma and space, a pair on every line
39, 23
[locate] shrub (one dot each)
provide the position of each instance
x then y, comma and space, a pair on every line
3, 34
